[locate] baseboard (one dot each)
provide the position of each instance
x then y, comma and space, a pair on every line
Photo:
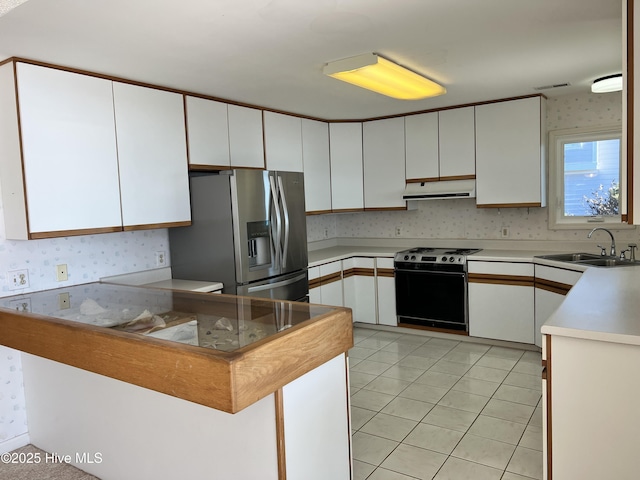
15, 442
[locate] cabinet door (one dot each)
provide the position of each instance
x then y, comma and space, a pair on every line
509, 154
359, 288
317, 166
384, 170
245, 137
501, 301
457, 143
315, 295
283, 142
208, 133
69, 152
386, 292
421, 143
331, 284
346, 166
152, 155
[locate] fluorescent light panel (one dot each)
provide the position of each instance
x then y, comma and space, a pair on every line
610, 83
380, 75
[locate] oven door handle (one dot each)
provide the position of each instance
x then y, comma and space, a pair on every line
437, 272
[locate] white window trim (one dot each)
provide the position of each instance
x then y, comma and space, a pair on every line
557, 221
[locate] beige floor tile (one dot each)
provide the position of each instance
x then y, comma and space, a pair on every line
372, 368
511, 393
403, 349
384, 474
423, 393
359, 379
532, 438
392, 386
485, 451
497, 429
505, 352
536, 418
386, 357
415, 462
450, 418
408, 408
477, 387
468, 358
361, 470
438, 379
403, 373
514, 476
514, 412
443, 342
458, 469
373, 342
528, 368
523, 380
361, 353
370, 400
431, 437
415, 361
370, 448
360, 416
471, 347
527, 462
453, 368
431, 351
464, 401
388, 426
496, 362
483, 373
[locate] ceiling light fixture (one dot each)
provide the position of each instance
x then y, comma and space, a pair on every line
376, 73
610, 83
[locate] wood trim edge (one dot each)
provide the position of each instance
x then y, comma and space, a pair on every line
516, 280
551, 286
548, 413
510, 205
280, 439
72, 233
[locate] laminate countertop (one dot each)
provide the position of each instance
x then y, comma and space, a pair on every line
221, 351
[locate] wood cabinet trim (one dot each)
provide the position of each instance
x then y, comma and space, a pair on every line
383, 209
516, 280
358, 271
128, 228
280, 440
551, 286
510, 205
548, 413
458, 177
226, 381
319, 212
422, 180
71, 233
385, 272
325, 280
347, 210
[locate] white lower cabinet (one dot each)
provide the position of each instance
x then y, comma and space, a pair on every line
325, 284
360, 288
552, 284
386, 292
501, 301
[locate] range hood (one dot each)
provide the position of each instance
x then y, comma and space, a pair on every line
440, 190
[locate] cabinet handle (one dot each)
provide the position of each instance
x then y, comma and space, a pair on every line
544, 372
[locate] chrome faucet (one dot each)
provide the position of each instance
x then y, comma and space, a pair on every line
613, 242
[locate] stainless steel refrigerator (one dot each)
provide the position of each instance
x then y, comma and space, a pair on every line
248, 231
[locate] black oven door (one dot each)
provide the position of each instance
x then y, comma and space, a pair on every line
433, 299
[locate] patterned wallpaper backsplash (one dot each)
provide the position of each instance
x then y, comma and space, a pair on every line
91, 257
459, 218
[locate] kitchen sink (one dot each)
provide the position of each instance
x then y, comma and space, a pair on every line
590, 259
571, 257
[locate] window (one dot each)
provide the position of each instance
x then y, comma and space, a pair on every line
584, 177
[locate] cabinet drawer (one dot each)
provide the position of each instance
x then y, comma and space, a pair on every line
501, 268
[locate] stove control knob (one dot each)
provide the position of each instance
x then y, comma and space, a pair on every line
451, 259
406, 257
444, 259
413, 257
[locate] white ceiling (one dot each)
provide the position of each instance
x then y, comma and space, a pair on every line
270, 53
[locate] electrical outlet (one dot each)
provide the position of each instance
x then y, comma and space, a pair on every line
398, 231
22, 305
63, 301
161, 258
61, 273
18, 279
326, 233
504, 232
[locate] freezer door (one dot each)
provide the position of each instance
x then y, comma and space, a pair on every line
254, 226
293, 231
285, 287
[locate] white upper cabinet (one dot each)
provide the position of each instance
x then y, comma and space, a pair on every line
384, 163
346, 166
421, 143
152, 155
283, 142
207, 133
246, 144
317, 166
69, 167
510, 148
457, 143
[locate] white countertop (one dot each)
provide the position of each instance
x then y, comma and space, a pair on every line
188, 285
604, 305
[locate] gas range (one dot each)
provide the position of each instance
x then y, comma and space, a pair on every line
427, 255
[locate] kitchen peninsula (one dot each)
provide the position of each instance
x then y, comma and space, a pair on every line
165, 384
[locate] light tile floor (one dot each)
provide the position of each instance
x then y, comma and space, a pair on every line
438, 409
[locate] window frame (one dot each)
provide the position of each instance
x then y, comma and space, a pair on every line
557, 140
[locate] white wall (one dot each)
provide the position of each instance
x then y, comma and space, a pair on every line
460, 219
88, 258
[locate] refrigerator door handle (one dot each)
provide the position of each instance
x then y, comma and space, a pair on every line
270, 286
278, 223
285, 210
